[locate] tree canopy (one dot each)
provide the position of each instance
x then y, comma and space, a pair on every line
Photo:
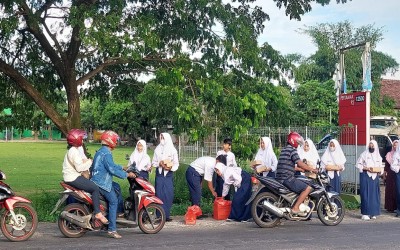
49, 49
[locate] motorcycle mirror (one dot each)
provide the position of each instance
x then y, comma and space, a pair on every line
127, 157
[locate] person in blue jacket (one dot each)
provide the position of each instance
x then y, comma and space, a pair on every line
103, 171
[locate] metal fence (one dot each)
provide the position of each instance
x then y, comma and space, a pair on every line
347, 137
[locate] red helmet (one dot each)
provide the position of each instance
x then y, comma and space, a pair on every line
75, 137
109, 138
295, 139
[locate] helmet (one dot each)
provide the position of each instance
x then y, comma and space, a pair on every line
75, 137
295, 139
109, 138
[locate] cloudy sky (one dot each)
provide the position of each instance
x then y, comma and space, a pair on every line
281, 33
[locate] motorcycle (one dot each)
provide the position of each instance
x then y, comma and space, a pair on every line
142, 208
272, 201
18, 221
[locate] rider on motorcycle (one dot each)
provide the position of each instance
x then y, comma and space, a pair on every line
104, 169
287, 163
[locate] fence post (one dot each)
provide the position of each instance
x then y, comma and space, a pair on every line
216, 140
306, 132
179, 147
355, 176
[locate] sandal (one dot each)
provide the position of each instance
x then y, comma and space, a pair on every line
114, 234
101, 217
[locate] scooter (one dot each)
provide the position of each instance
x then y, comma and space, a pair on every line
142, 208
18, 221
272, 201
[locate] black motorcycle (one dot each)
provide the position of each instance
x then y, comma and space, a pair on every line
272, 201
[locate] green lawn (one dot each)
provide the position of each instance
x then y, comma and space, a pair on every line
33, 167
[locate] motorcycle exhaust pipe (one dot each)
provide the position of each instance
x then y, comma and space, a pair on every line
273, 209
81, 221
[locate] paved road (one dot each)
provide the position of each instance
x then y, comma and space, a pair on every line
352, 233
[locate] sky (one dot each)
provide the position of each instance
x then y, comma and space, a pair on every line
280, 31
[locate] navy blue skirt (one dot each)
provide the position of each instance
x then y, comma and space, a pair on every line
240, 211
144, 174
370, 195
336, 183
165, 190
398, 193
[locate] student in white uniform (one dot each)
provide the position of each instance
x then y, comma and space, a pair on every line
266, 155
202, 167
308, 154
369, 181
395, 166
230, 162
165, 151
142, 159
334, 156
241, 180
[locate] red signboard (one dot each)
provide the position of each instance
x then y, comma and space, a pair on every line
354, 110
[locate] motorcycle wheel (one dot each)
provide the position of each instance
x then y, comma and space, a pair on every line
69, 229
331, 217
155, 213
24, 227
261, 216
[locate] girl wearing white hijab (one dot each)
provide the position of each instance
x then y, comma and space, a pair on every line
267, 156
142, 159
369, 181
333, 161
395, 166
241, 180
308, 153
165, 151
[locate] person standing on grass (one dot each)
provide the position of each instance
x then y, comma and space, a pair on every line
266, 155
142, 159
390, 177
202, 167
368, 162
230, 162
103, 171
166, 161
74, 165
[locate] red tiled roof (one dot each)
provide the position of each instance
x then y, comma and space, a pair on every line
391, 88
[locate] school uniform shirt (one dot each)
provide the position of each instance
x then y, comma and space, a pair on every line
394, 160
333, 158
231, 176
142, 159
368, 159
73, 165
267, 156
230, 158
166, 151
204, 166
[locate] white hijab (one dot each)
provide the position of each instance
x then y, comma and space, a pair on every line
311, 155
395, 161
142, 159
166, 150
230, 175
336, 157
267, 155
375, 159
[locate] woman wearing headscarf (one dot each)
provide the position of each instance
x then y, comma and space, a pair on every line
308, 153
166, 161
241, 180
390, 175
266, 155
370, 165
395, 166
333, 161
142, 159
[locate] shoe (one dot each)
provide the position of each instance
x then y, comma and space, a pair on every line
229, 220
249, 220
121, 215
114, 235
397, 215
168, 220
365, 217
101, 217
373, 217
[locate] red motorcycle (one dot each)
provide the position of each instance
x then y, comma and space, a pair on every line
142, 208
19, 219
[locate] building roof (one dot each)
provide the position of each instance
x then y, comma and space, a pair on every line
391, 88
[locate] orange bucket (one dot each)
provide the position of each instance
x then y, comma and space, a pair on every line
190, 218
222, 209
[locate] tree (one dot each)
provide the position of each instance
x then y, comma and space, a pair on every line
48, 45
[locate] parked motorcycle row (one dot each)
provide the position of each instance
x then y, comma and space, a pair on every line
270, 202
